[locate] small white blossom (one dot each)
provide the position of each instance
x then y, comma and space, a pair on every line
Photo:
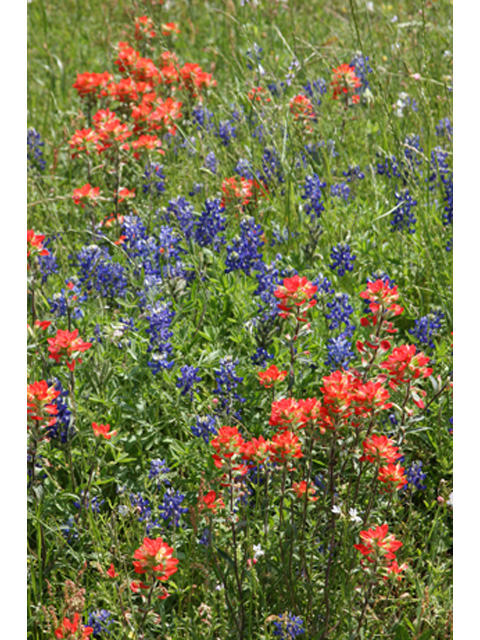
370, 7
354, 517
258, 551
450, 500
337, 510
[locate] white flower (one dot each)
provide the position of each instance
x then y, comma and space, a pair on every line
370, 7
394, 19
336, 510
123, 510
258, 551
354, 517
450, 500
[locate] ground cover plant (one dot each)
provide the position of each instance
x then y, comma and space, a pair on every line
239, 255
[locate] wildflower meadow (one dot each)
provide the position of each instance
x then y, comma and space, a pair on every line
240, 323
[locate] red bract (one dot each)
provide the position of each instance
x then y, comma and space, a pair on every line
110, 130
302, 108
256, 451
270, 376
40, 409
86, 195
102, 430
339, 392
92, 84
84, 140
295, 292
111, 573
394, 570
193, 78
380, 449
300, 489
149, 143
69, 629
211, 501
170, 27
344, 82
258, 94
369, 397
227, 444
144, 28
393, 476
67, 345
378, 545
237, 190
286, 413
381, 297
404, 364
154, 558
35, 244
284, 448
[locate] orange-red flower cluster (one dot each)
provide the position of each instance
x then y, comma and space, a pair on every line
270, 376
35, 244
344, 82
40, 409
86, 195
69, 629
153, 559
379, 549
296, 295
67, 345
102, 430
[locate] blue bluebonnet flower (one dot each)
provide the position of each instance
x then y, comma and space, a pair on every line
48, 265
277, 89
205, 538
324, 286
362, 69
182, 210
135, 237
342, 259
339, 312
403, 218
244, 252
186, 381
444, 128
426, 328
412, 151
62, 430
159, 469
210, 224
226, 130
439, 168
171, 510
143, 510
35, 158
204, 427
415, 477
93, 504
211, 162
354, 173
197, 187
293, 67
449, 245
244, 169
100, 621
167, 261
160, 318
203, 117
227, 383
341, 190
316, 89
271, 166
391, 167
98, 272
281, 236
66, 301
155, 179
313, 195
261, 357
447, 180
69, 531
288, 626
340, 352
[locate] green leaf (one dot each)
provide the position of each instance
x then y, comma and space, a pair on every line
401, 633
